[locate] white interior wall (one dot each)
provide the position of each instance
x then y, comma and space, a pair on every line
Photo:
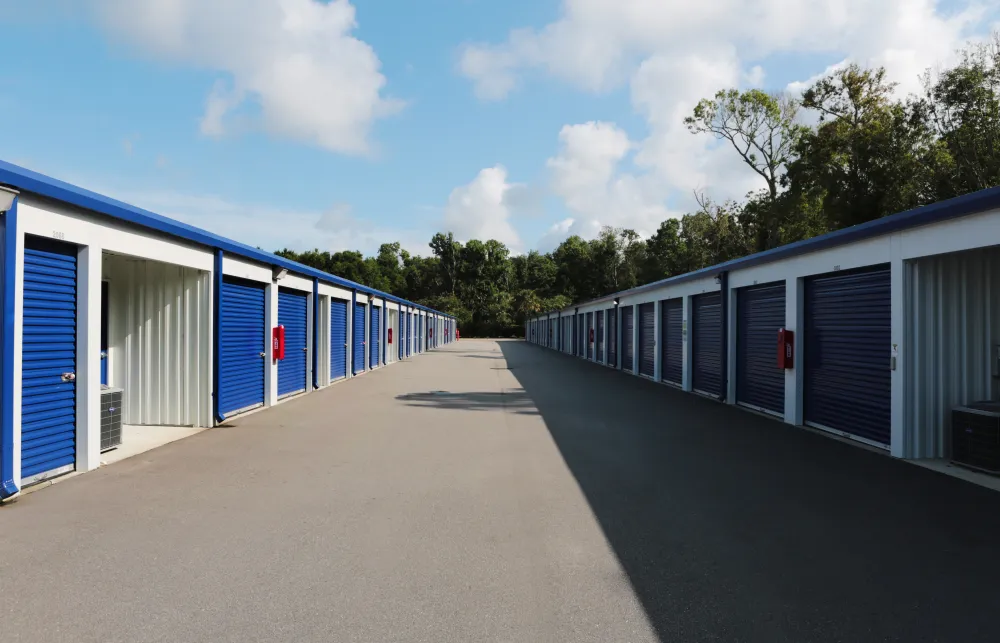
393, 348
159, 341
953, 324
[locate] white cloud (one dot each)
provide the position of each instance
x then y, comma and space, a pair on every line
481, 209
555, 235
672, 54
293, 61
587, 175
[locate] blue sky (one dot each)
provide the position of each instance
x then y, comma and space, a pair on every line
521, 120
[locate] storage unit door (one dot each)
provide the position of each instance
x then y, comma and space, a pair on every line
628, 337
293, 314
242, 339
48, 362
590, 344
847, 350
375, 337
358, 352
647, 339
707, 347
613, 337
672, 341
600, 336
760, 313
338, 339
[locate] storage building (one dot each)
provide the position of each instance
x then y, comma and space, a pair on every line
113, 314
874, 333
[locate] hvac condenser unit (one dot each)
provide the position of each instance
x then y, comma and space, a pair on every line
975, 436
111, 417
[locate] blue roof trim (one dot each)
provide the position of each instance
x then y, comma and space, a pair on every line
28, 181
961, 206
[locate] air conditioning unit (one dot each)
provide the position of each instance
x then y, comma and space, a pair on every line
975, 436
111, 417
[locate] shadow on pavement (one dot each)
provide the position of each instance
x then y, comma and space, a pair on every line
734, 527
515, 400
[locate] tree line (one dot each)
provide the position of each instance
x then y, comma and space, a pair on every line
866, 155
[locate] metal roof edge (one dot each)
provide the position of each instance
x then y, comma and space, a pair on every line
31, 182
960, 206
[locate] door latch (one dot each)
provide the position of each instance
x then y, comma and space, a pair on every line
69, 377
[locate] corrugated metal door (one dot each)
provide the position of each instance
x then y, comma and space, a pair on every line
600, 336
359, 338
628, 337
590, 344
613, 337
338, 339
293, 314
647, 339
48, 363
420, 333
243, 337
672, 341
760, 313
409, 334
848, 338
375, 337
707, 343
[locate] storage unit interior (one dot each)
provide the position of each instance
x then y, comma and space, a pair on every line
952, 343
155, 330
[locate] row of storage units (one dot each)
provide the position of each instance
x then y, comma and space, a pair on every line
874, 333
183, 327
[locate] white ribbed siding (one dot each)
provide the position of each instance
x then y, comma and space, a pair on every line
159, 348
392, 350
952, 325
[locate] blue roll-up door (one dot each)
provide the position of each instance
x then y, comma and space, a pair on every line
338, 339
707, 343
293, 314
672, 341
581, 344
613, 337
48, 362
600, 335
375, 336
848, 336
760, 312
359, 338
647, 339
409, 333
590, 344
628, 337
242, 339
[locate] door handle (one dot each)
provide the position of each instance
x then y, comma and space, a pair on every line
263, 354
69, 377
305, 348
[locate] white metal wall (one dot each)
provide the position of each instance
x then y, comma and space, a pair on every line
953, 323
392, 350
159, 341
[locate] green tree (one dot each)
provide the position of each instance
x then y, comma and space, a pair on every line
964, 105
760, 126
871, 155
